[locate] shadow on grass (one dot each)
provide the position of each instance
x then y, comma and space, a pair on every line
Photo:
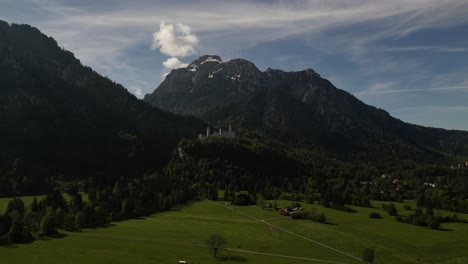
187, 204
444, 229
58, 235
233, 258
8, 246
51, 237
108, 225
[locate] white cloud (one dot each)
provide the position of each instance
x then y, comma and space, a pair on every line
174, 63
175, 40
137, 91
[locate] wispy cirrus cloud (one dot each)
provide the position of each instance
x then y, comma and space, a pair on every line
426, 48
371, 41
393, 91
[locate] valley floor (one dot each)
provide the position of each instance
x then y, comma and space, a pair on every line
253, 235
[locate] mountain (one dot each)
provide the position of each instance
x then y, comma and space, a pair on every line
300, 108
62, 120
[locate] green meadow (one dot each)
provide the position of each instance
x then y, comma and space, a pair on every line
26, 199
179, 234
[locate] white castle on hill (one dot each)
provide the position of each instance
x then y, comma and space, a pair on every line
220, 133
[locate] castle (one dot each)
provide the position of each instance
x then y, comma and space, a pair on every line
220, 133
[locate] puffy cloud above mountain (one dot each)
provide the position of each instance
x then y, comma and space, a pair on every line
175, 40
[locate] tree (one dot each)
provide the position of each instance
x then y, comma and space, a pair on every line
34, 206
15, 234
48, 225
215, 242
433, 222
261, 202
243, 199
368, 255
69, 222
15, 204
32, 221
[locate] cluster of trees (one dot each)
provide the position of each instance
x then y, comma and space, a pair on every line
21, 224
312, 214
391, 209
421, 218
243, 199
126, 199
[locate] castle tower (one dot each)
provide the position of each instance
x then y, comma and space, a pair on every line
230, 129
220, 132
207, 131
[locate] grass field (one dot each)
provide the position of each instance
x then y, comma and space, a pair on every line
26, 199
394, 242
179, 234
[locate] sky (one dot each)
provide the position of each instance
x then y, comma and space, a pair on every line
408, 57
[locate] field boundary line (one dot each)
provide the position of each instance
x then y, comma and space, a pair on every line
284, 230
205, 246
284, 256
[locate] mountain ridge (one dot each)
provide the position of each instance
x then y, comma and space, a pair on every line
298, 107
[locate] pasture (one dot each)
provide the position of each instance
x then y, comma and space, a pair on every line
179, 234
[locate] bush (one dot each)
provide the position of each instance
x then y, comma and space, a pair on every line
400, 199
407, 207
348, 209
300, 215
296, 205
321, 218
242, 199
368, 255
317, 217
375, 215
390, 208
48, 225
453, 219
433, 222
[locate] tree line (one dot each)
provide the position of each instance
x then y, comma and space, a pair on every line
126, 199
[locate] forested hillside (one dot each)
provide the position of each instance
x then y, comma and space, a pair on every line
60, 120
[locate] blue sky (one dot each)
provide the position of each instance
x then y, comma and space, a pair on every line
409, 57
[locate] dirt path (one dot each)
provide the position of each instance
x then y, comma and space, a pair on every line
284, 230
204, 246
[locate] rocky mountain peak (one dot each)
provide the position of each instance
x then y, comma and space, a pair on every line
311, 72
206, 58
